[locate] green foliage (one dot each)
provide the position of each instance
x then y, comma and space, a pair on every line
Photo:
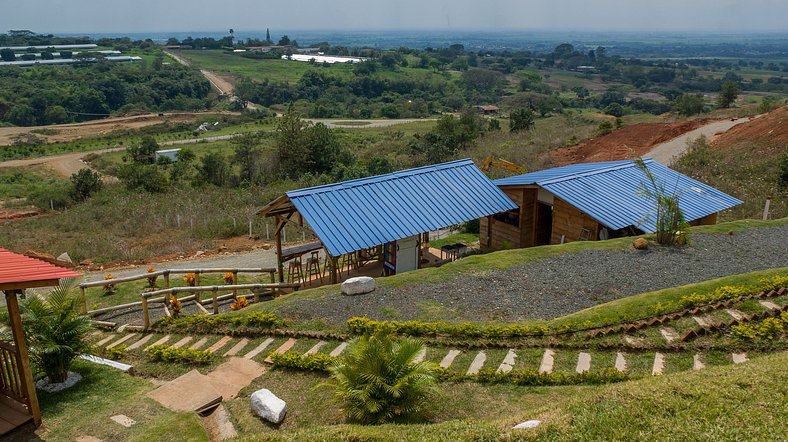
689, 104
521, 120
165, 353
728, 93
293, 359
85, 183
214, 169
302, 147
219, 323
264, 320
532, 377
768, 329
668, 217
377, 381
782, 178
55, 331
145, 152
362, 325
604, 128
139, 176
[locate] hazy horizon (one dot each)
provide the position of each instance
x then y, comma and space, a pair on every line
606, 16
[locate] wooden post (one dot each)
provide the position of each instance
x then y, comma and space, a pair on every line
334, 264
145, 314
167, 279
15, 321
256, 293
235, 281
215, 301
279, 264
83, 301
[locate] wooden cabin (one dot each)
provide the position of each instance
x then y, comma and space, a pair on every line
592, 201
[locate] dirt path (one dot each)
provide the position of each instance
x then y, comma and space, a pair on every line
667, 152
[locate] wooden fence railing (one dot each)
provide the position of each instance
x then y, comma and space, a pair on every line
11, 378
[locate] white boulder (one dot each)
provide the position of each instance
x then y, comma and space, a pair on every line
358, 285
65, 258
269, 407
533, 423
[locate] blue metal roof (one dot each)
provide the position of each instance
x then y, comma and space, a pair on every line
362, 213
611, 192
555, 172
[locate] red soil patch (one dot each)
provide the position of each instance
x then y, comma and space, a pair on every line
769, 129
621, 144
6, 214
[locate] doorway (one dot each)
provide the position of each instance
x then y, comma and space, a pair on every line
544, 224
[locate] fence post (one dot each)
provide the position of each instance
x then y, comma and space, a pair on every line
83, 300
145, 314
215, 301
235, 282
256, 293
166, 279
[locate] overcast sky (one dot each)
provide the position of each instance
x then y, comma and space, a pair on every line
88, 16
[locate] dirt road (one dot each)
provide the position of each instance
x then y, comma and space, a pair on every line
669, 151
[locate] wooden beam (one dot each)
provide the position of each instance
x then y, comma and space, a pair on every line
280, 267
15, 321
28, 284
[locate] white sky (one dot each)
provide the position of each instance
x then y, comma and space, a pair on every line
88, 16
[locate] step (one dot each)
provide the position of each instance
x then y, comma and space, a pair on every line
338, 351
259, 349
583, 362
659, 364
736, 314
478, 363
697, 362
219, 344
182, 342
739, 358
769, 305
508, 362
420, 357
140, 343
315, 348
105, 340
633, 340
669, 334
121, 341
237, 347
282, 349
197, 345
548, 358
449, 358
621, 362
703, 322
161, 341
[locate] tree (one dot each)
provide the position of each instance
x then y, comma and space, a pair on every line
324, 150
689, 104
248, 156
268, 36
614, 109
284, 41
182, 168
22, 115
521, 119
214, 169
55, 331
139, 176
378, 380
145, 152
728, 93
85, 183
56, 115
7, 54
47, 55
564, 50
290, 151
483, 80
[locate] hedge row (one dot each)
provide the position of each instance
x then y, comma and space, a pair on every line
166, 353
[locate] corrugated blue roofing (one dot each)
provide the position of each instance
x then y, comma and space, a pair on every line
612, 193
556, 172
362, 213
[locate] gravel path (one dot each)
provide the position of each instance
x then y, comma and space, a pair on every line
667, 152
559, 285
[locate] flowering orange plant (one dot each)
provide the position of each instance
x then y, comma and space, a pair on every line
190, 279
176, 306
240, 302
151, 279
109, 289
228, 278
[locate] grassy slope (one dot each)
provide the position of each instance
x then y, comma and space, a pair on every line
714, 404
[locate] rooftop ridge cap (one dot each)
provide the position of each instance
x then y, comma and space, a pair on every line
572, 176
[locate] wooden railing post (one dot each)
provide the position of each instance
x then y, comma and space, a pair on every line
256, 293
145, 313
15, 321
215, 293
235, 282
166, 279
83, 300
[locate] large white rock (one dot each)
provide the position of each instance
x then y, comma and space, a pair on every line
527, 424
269, 407
358, 285
65, 258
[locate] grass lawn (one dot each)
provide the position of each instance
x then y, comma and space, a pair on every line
464, 238
22, 183
85, 409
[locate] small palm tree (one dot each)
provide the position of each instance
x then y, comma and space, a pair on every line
378, 380
56, 333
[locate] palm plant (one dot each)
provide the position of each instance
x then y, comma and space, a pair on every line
669, 220
378, 380
55, 330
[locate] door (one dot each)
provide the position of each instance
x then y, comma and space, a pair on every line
544, 224
408, 254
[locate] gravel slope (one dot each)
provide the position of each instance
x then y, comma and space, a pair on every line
560, 285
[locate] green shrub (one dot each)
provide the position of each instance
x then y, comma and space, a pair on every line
692, 300
768, 329
264, 320
293, 359
165, 353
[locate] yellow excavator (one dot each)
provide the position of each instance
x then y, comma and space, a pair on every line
501, 164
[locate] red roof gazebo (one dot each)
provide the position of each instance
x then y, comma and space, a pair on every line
18, 401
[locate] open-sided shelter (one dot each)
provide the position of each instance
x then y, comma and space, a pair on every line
389, 211
18, 401
591, 201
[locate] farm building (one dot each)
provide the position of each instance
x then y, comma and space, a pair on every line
593, 201
379, 222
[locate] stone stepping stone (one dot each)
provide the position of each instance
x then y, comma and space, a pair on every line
197, 345
315, 348
282, 349
769, 305
659, 364
420, 357
237, 347
449, 358
736, 314
219, 344
182, 342
259, 349
120, 341
232, 376
338, 351
583, 362
161, 341
140, 343
105, 340
697, 362
621, 362
123, 420
669, 334
548, 358
192, 391
703, 322
508, 362
633, 340
477, 364
739, 358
